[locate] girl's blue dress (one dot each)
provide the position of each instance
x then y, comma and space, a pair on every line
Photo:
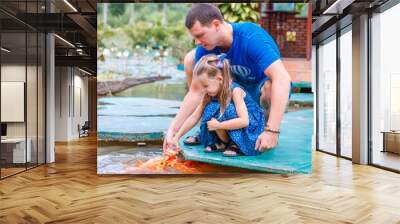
245, 138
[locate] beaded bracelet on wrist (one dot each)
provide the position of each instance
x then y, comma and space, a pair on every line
272, 131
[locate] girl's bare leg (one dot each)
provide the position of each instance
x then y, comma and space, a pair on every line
222, 135
230, 151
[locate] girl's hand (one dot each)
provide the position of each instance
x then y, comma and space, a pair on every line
167, 141
213, 124
174, 145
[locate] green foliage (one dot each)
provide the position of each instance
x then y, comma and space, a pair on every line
301, 9
117, 9
240, 12
157, 25
100, 8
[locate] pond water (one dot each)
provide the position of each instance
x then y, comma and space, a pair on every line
118, 159
145, 110
140, 112
166, 89
139, 65
124, 160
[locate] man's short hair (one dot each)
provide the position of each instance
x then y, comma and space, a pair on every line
205, 13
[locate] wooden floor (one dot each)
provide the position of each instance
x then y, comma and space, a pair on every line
387, 159
5, 172
70, 191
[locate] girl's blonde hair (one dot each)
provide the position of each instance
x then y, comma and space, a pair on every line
212, 66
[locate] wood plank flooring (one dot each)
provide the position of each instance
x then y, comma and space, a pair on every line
70, 191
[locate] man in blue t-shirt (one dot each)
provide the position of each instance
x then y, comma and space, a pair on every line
255, 64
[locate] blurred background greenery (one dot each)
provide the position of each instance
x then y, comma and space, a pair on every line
136, 26
160, 26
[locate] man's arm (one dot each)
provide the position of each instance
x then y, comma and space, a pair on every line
279, 94
188, 64
263, 50
193, 96
190, 102
280, 89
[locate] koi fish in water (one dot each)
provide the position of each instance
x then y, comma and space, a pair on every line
161, 164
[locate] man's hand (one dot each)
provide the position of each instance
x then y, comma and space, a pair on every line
266, 141
213, 124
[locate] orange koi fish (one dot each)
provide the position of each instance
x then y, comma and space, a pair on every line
170, 159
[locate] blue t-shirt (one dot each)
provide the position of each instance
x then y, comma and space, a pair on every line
252, 51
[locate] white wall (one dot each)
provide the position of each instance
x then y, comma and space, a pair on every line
81, 102
12, 73
12, 101
71, 94
33, 126
61, 103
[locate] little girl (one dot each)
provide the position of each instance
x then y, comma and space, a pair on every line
230, 119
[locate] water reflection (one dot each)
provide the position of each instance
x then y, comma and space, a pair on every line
166, 89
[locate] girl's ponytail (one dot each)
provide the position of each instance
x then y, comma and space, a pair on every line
226, 93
